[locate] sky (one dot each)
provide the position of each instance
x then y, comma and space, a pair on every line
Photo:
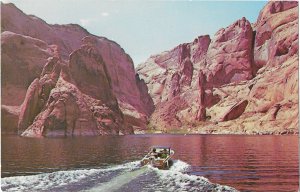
144, 28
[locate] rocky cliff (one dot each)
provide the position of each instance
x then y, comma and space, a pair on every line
242, 80
62, 80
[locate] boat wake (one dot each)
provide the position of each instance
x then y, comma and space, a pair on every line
126, 177
176, 179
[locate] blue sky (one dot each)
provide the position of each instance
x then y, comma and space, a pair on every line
144, 28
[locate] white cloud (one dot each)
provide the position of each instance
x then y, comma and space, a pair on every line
105, 14
84, 22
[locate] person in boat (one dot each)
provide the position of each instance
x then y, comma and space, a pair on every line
154, 154
164, 154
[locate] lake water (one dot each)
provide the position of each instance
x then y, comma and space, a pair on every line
111, 163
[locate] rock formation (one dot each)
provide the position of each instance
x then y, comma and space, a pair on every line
66, 37
201, 114
229, 56
242, 80
276, 33
61, 80
38, 93
22, 60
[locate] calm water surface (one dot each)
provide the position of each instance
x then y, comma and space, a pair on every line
246, 163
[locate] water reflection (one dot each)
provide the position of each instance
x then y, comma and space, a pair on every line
258, 163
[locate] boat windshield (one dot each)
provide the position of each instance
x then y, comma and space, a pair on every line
162, 150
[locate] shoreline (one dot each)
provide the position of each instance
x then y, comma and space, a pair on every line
152, 132
216, 133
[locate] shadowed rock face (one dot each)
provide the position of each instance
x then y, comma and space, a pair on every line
123, 81
89, 72
201, 114
235, 111
38, 93
243, 80
100, 71
81, 101
22, 60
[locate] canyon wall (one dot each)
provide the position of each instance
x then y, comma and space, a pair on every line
60, 80
243, 80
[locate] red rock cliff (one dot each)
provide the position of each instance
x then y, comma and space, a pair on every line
242, 80
90, 66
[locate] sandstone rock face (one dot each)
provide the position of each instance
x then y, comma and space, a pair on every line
144, 96
69, 112
165, 115
66, 37
224, 59
243, 80
89, 72
229, 56
272, 102
81, 103
134, 102
28, 43
38, 93
22, 60
235, 111
276, 33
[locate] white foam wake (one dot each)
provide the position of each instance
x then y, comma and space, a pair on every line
125, 177
57, 179
43, 181
175, 179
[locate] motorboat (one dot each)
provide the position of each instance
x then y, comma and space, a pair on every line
159, 157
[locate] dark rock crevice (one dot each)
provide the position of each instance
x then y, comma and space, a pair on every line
255, 67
